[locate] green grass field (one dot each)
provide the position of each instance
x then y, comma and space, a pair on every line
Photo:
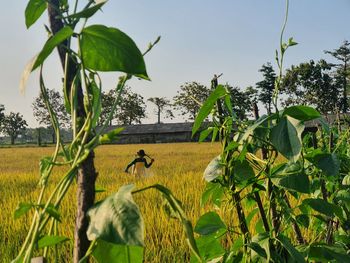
177, 166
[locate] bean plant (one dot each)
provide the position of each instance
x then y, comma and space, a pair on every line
111, 230
289, 188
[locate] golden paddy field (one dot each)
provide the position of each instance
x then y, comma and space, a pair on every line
177, 166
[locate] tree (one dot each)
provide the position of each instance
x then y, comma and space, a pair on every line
162, 103
107, 100
13, 125
266, 86
342, 72
41, 113
241, 101
132, 108
2, 114
190, 97
310, 83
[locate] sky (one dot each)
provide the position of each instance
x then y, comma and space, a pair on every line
199, 38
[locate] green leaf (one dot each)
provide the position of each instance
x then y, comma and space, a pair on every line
89, 12
210, 223
255, 247
295, 254
207, 107
258, 123
228, 104
53, 212
323, 207
215, 134
51, 44
111, 136
22, 209
205, 133
34, 9
291, 42
286, 137
231, 146
213, 170
303, 220
109, 49
209, 248
48, 241
302, 113
263, 240
96, 103
327, 253
327, 162
117, 219
243, 171
113, 253
251, 215
295, 182
211, 192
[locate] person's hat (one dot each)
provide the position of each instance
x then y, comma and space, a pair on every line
141, 153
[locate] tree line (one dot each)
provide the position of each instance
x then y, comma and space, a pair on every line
321, 84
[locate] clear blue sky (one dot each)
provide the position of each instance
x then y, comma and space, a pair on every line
199, 38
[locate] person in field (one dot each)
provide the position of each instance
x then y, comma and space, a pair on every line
139, 165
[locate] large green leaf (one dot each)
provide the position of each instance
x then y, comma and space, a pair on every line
263, 240
117, 219
209, 248
34, 9
327, 253
213, 170
287, 175
113, 253
213, 192
302, 113
210, 223
323, 207
207, 107
89, 12
243, 171
109, 49
295, 254
327, 162
286, 137
51, 44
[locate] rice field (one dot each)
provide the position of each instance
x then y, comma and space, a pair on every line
177, 166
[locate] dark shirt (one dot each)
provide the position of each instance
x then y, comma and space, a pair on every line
140, 159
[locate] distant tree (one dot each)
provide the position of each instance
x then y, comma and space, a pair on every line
241, 101
13, 125
162, 105
132, 108
2, 113
107, 100
266, 86
342, 72
190, 97
42, 115
310, 83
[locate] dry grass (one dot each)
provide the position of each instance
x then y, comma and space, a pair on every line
177, 166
